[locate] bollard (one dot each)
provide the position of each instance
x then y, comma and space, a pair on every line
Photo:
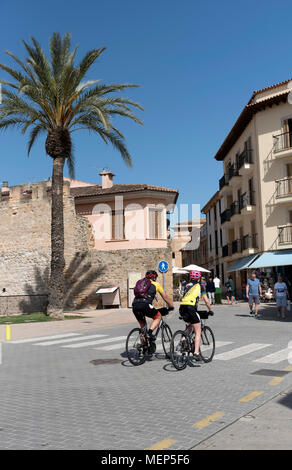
8, 333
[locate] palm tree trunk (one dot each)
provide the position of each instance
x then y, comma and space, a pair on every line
57, 282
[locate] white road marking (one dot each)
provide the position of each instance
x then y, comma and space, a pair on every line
92, 343
119, 346
237, 352
69, 340
274, 358
218, 344
41, 338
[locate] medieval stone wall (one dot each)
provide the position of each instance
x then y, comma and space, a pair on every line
25, 224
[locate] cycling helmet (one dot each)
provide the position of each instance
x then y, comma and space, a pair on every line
195, 275
152, 275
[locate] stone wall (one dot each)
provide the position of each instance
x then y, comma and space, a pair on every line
111, 268
25, 225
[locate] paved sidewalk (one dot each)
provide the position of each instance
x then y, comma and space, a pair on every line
266, 428
93, 319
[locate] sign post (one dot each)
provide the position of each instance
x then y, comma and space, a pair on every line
163, 268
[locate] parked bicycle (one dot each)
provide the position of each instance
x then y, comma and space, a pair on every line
182, 344
138, 346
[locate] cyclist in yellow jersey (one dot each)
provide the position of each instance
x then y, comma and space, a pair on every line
188, 308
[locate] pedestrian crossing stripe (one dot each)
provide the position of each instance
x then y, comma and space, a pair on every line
42, 338
68, 340
99, 341
276, 357
238, 352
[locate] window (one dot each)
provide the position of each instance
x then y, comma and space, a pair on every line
215, 213
118, 225
216, 242
155, 223
221, 237
210, 242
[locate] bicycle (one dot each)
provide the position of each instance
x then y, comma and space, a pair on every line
182, 344
138, 346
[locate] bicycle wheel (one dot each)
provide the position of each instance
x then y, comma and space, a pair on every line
179, 350
166, 336
135, 348
207, 347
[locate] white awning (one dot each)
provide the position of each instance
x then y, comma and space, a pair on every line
176, 270
107, 290
194, 267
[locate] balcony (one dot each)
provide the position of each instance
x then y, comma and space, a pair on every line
284, 190
236, 246
226, 250
245, 162
285, 234
225, 216
235, 209
233, 175
247, 203
282, 145
250, 243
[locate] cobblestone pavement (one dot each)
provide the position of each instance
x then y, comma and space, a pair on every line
54, 397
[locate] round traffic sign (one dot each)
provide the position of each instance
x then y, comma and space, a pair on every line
163, 266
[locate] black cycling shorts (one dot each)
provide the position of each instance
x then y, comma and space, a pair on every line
189, 314
144, 309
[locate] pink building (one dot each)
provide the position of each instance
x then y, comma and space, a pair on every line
124, 216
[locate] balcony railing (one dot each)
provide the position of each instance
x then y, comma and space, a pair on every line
245, 157
225, 216
233, 171
285, 234
250, 241
237, 246
282, 141
284, 187
223, 182
235, 208
247, 199
226, 250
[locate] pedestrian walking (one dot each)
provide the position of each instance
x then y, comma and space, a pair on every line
230, 291
253, 293
281, 295
218, 290
211, 290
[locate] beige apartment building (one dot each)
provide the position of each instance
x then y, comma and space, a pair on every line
255, 190
188, 242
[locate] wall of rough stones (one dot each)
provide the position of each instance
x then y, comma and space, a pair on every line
25, 218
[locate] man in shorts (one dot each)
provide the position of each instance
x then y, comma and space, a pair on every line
142, 305
253, 293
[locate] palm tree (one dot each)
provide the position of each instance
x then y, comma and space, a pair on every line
50, 95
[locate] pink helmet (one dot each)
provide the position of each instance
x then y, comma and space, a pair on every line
196, 275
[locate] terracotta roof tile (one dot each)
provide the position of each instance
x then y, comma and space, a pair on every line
96, 190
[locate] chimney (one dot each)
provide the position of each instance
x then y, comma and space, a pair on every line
106, 179
5, 187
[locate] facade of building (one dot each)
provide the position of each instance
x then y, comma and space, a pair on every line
255, 190
214, 236
185, 242
107, 242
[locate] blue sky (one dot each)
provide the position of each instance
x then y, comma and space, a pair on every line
197, 63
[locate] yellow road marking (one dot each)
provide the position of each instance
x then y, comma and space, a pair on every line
205, 422
276, 380
288, 368
250, 397
162, 444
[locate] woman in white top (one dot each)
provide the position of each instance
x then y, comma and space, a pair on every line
281, 296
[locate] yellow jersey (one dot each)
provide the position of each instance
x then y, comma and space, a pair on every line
192, 296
